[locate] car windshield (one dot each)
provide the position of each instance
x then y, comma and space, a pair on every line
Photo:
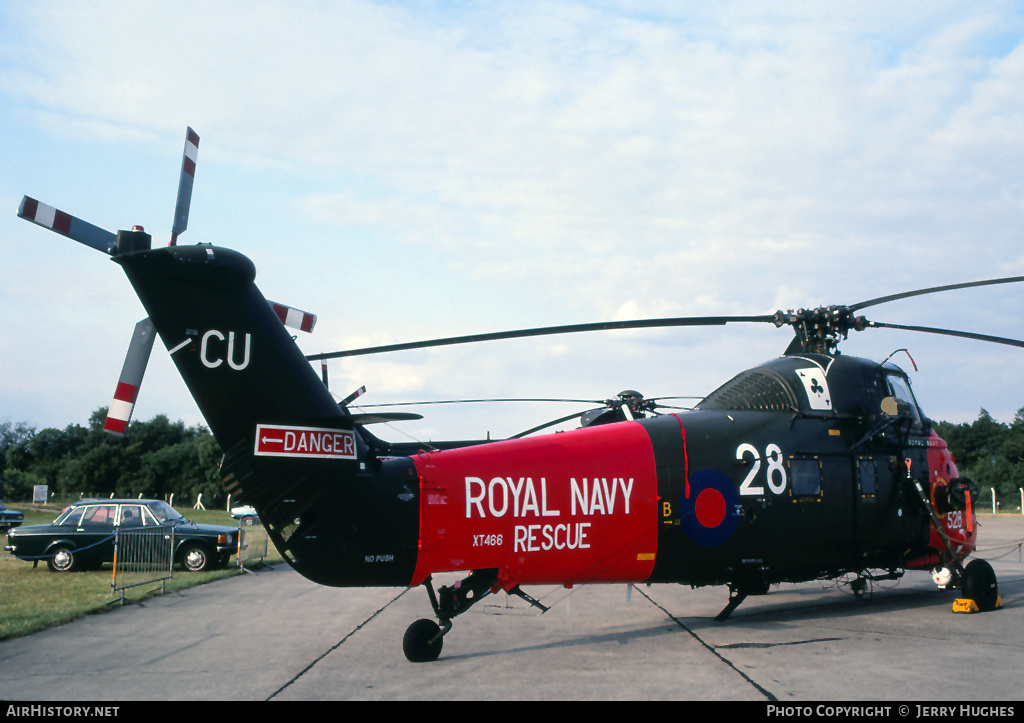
62, 518
164, 512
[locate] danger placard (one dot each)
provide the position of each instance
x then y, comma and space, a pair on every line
314, 442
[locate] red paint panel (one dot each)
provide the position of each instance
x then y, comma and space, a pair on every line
961, 527
569, 508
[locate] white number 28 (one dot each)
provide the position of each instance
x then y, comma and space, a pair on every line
775, 474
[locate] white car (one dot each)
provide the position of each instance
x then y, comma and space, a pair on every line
242, 512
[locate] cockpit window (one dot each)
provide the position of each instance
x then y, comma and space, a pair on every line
900, 388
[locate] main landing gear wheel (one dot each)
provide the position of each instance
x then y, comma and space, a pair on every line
423, 641
979, 584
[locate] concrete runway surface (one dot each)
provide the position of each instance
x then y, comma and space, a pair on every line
273, 635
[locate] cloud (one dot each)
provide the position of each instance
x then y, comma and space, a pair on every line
422, 170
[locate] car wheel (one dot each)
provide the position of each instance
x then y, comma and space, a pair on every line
61, 559
194, 558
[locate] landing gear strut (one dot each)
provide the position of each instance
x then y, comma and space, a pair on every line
738, 592
978, 579
424, 638
736, 596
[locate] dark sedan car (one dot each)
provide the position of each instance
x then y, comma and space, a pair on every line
83, 535
9, 518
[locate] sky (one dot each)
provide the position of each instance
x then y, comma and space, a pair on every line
416, 170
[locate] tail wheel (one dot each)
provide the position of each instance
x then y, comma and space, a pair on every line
423, 641
979, 584
61, 559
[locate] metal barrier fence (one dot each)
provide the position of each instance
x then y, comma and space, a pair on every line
145, 555
142, 556
252, 541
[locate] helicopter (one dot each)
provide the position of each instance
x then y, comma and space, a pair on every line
812, 465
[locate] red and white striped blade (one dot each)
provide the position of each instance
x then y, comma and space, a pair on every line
120, 412
188, 175
295, 318
67, 225
353, 396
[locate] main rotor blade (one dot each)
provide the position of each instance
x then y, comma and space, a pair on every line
478, 401
383, 417
547, 424
933, 290
66, 225
549, 330
188, 175
948, 332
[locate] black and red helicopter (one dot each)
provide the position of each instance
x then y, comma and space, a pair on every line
814, 465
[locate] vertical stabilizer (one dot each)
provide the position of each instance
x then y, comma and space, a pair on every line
340, 516
239, 362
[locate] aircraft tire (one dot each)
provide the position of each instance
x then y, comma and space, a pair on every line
419, 645
979, 584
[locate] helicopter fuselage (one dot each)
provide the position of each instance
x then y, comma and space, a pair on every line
792, 470
710, 496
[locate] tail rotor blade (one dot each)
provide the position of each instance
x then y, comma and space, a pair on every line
294, 318
188, 174
353, 396
120, 412
67, 225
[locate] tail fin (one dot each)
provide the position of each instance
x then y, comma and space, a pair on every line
226, 340
290, 450
338, 514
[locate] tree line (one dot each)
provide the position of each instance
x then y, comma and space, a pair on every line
158, 458
154, 459
990, 454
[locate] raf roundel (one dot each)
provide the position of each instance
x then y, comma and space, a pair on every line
709, 508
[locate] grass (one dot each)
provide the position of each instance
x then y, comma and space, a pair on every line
32, 598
